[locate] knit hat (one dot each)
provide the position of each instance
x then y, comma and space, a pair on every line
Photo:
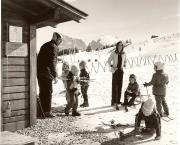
159, 65
65, 66
132, 76
148, 107
74, 69
82, 63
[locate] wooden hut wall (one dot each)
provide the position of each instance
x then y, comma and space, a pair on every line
15, 80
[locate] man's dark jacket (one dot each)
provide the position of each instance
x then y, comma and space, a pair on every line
47, 60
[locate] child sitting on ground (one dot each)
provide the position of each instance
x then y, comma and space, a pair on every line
131, 91
73, 92
148, 113
159, 82
84, 81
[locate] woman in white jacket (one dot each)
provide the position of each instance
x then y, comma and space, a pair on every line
117, 62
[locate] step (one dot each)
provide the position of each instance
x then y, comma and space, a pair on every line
11, 138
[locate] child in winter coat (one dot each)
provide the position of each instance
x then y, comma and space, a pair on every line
73, 92
148, 113
65, 72
131, 91
159, 81
84, 81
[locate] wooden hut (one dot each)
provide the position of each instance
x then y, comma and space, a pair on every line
19, 21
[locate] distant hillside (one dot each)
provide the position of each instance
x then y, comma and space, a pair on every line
71, 43
104, 41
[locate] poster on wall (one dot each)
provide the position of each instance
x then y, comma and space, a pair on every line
16, 49
15, 34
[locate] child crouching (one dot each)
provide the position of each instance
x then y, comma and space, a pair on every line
132, 91
148, 113
73, 92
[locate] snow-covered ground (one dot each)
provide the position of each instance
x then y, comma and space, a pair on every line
100, 88
89, 128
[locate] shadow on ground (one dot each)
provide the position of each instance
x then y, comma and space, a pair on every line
130, 141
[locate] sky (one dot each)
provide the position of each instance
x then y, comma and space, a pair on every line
126, 19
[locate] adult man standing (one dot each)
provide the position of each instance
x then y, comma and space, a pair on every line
46, 71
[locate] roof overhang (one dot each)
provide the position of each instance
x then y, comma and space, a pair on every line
44, 12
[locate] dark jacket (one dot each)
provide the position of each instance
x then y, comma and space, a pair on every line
134, 88
47, 60
152, 122
71, 78
159, 82
84, 73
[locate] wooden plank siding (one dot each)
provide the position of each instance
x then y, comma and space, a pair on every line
15, 74
17, 113
15, 80
13, 126
16, 104
15, 96
15, 61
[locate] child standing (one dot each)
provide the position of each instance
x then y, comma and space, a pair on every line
73, 92
148, 113
159, 82
131, 91
65, 72
84, 81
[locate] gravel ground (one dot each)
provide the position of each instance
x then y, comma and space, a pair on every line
62, 131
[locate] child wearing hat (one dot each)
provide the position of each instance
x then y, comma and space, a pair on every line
73, 92
148, 113
84, 81
131, 91
159, 81
65, 72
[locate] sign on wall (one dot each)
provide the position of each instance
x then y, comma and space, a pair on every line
16, 49
15, 34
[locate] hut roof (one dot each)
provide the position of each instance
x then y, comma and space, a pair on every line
43, 12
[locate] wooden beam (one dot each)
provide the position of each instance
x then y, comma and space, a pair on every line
43, 17
33, 74
50, 18
0, 80
70, 8
71, 11
13, 5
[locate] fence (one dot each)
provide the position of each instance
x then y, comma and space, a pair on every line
150, 60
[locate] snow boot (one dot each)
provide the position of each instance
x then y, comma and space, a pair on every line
117, 107
85, 104
75, 113
157, 137
126, 108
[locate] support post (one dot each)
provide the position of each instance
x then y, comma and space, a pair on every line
33, 74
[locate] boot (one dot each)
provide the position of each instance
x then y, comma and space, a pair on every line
117, 107
157, 137
85, 104
75, 113
82, 105
49, 115
66, 112
126, 108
